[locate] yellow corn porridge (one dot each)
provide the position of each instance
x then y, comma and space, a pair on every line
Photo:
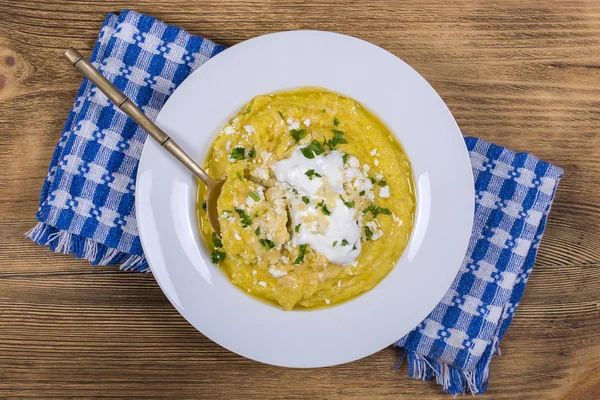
319, 202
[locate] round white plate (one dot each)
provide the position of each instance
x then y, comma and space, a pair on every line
402, 99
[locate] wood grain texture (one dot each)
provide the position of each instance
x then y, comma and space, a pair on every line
521, 74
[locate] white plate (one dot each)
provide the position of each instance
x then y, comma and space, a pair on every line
401, 98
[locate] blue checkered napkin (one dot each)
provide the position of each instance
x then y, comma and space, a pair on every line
87, 201
455, 343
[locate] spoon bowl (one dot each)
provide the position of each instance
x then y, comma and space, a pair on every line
214, 191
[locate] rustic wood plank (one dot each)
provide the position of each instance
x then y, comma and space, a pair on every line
61, 329
525, 75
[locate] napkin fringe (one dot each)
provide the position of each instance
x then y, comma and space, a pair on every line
61, 241
454, 381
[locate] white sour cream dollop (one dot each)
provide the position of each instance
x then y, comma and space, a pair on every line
293, 171
339, 241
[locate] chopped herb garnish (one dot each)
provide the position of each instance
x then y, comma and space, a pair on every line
257, 231
294, 191
267, 244
311, 174
338, 138
204, 205
247, 109
246, 219
252, 153
382, 183
354, 247
217, 256
281, 115
323, 207
216, 241
237, 153
336, 122
376, 210
334, 243
362, 193
301, 255
368, 233
312, 150
349, 204
239, 175
254, 196
298, 134
345, 158
344, 242
305, 199
339, 133
227, 211
297, 228
373, 180
323, 110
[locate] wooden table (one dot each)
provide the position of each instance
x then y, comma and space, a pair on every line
521, 75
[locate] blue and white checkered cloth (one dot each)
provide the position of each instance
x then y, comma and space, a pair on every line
87, 201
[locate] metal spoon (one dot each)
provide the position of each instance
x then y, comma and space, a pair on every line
129, 108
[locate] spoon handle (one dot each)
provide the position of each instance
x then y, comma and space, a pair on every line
128, 107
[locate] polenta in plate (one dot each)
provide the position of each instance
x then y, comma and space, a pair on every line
319, 202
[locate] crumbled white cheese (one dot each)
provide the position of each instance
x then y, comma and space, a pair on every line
228, 145
353, 162
265, 156
249, 129
327, 301
362, 184
285, 260
339, 283
275, 273
254, 272
229, 130
351, 173
377, 233
366, 168
384, 192
307, 122
376, 162
262, 283
373, 152
250, 202
237, 236
379, 176
370, 196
